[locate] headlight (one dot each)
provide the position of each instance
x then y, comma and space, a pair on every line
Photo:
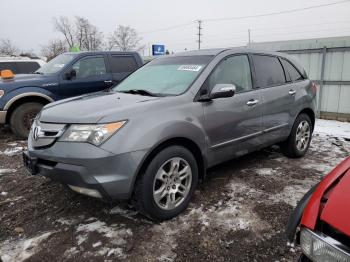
94, 134
319, 247
2, 92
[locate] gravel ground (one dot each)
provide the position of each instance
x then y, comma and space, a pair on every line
238, 214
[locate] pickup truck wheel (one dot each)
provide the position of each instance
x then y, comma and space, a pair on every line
167, 186
299, 139
22, 118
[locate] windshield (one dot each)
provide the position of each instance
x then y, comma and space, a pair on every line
165, 76
56, 64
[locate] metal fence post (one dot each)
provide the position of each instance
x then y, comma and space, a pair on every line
324, 53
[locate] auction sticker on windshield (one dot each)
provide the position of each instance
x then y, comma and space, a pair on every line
194, 68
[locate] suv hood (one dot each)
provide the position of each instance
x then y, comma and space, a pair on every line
336, 211
93, 108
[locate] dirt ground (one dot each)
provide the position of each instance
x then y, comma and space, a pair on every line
238, 214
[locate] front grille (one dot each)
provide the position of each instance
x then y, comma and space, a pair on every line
45, 134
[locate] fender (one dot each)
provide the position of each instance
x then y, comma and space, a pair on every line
295, 216
25, 92
311, 213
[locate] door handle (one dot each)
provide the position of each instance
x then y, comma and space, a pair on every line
292, 92
252, 102
108, 81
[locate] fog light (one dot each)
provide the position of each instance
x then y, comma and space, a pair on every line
321, 248
86, 191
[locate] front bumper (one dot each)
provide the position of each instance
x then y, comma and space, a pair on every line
86, 166
319, 247
3, 117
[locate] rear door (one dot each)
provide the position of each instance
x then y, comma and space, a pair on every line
277, 98
91, 76
121, 66
233, 124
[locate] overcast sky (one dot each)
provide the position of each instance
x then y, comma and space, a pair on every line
28, 23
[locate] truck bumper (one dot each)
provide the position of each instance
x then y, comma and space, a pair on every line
3, 117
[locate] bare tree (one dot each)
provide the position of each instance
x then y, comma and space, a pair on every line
80, 33
8, 48
65, 26
87, 35
54, 48
125, 38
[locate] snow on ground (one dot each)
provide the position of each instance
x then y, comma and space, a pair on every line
6, 171
20, 250
12, 151
332, 128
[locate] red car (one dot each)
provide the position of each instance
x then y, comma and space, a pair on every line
323, 215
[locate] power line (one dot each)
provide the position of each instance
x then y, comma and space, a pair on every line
275, 13
167, 28
243, 17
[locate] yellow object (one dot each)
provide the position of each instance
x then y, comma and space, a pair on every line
7, 74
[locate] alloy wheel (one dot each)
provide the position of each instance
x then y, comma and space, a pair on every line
172, 183
303, 135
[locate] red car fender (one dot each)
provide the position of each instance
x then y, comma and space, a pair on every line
311, 212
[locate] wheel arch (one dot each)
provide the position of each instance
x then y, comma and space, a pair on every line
18, 100
180, 141
310, 113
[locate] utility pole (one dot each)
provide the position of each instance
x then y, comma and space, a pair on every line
199, 34
248, 36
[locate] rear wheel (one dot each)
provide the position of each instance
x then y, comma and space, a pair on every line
22, 118
299, 139
167, 186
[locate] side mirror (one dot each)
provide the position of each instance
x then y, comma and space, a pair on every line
222, 90
70, 75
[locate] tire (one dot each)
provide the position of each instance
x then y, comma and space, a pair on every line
150, 183
302, 128
22, 118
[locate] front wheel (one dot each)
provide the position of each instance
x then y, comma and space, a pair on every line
22, 118
299, 139
167, 186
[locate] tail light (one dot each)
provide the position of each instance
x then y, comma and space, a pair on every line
314, 87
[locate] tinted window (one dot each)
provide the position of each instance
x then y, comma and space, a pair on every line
268, 71
120, 64
9, 66
293, 73
232, 70
27, 67
90, 66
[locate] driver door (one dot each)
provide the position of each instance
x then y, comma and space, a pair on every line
233, 124
90, 76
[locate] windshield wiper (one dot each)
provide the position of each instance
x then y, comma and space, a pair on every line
140, 92
38, 73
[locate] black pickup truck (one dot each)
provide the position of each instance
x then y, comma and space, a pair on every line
67, 75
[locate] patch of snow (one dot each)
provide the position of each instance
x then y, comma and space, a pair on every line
116, 234
266, 171
12, 151
70, 252
293, 193
97, 244
332, 128
7, 171
22, 249
66, 222
4, 193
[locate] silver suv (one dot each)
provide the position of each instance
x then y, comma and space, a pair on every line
151, 138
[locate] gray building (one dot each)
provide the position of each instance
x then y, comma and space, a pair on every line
327, 61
